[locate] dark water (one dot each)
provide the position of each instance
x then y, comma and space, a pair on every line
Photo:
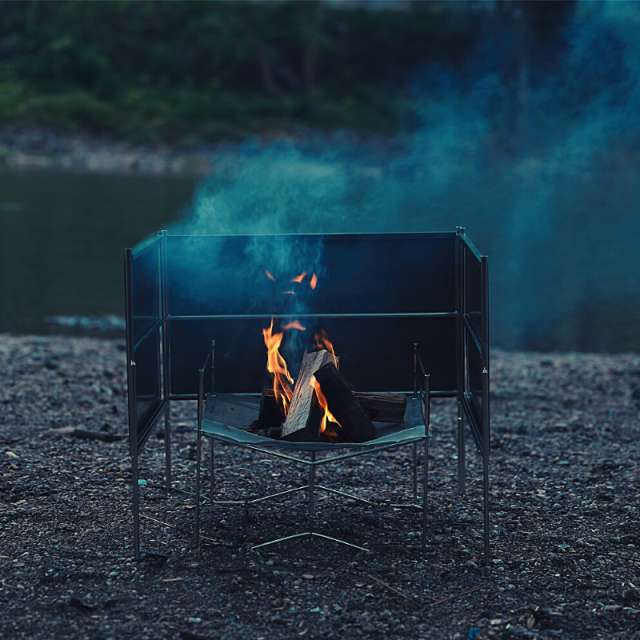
567, 280
62, 241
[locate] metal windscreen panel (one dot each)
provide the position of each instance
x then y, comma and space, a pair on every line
371, 293
148, 381
475, 344
356, 273
376, 354
145, 287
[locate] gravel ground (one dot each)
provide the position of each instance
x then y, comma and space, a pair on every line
564, 517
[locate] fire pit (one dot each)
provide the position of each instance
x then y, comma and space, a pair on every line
377, 296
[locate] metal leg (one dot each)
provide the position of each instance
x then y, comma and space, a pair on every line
213, 450
312, 504
167, 446
415, 472
199, 451
136, 506
425, 473
461, 451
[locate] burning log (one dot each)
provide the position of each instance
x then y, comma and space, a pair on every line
270, 414
343, 404
383, 407
305, 414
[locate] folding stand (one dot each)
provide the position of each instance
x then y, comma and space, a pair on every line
214, 426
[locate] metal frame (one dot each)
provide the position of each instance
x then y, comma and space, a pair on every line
464, 331
421, 389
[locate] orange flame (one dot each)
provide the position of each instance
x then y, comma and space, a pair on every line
322, 342
293, 325
299, 278
314, 281
277, 366
269, 275
328, 416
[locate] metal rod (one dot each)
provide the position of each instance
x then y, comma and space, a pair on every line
167, 445
319, 462
425, 474
197, 496
415, 369
213, 367
312, 480
307, 534
445, 393
150, 332
425, 470
415, 472
486, 416
461, 452
211, 469
200, 410
346, 495
136, 505
263, 316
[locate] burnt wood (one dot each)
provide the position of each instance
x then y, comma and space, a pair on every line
305, 414
383, 407
270, 414
343, 405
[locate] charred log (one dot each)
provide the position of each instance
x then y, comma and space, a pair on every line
383, 407
343, 405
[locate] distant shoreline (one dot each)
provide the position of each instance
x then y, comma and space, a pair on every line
44, 149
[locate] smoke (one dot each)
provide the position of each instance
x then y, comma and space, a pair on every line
537, 158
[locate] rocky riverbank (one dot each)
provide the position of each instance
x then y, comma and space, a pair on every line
564, 523
44, 149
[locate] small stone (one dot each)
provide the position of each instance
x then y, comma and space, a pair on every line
307, 576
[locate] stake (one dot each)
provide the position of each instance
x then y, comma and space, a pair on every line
460, 595
402, 595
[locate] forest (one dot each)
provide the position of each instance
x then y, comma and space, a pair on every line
190, 72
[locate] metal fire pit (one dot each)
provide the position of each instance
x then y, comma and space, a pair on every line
377, 296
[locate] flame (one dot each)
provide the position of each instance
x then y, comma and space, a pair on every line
322, 342
314, 281
293, 325
299, 278
269, 275
328, 416
277, 366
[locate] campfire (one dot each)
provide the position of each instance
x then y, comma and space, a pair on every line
201, 329
319, 406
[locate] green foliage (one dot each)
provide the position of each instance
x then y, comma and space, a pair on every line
170, 70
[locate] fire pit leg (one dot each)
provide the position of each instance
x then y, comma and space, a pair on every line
213, 450
136, 517
461, 451
167, 446
198, 453
312, 480
415, 473
425, 473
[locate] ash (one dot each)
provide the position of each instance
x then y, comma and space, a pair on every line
564, 487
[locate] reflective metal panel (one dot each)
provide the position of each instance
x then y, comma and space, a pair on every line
473, 291
147, 384
376, 354
145, 288
354, 273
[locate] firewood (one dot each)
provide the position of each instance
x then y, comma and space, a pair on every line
305, 414
343, 405
383, 407
270, 414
